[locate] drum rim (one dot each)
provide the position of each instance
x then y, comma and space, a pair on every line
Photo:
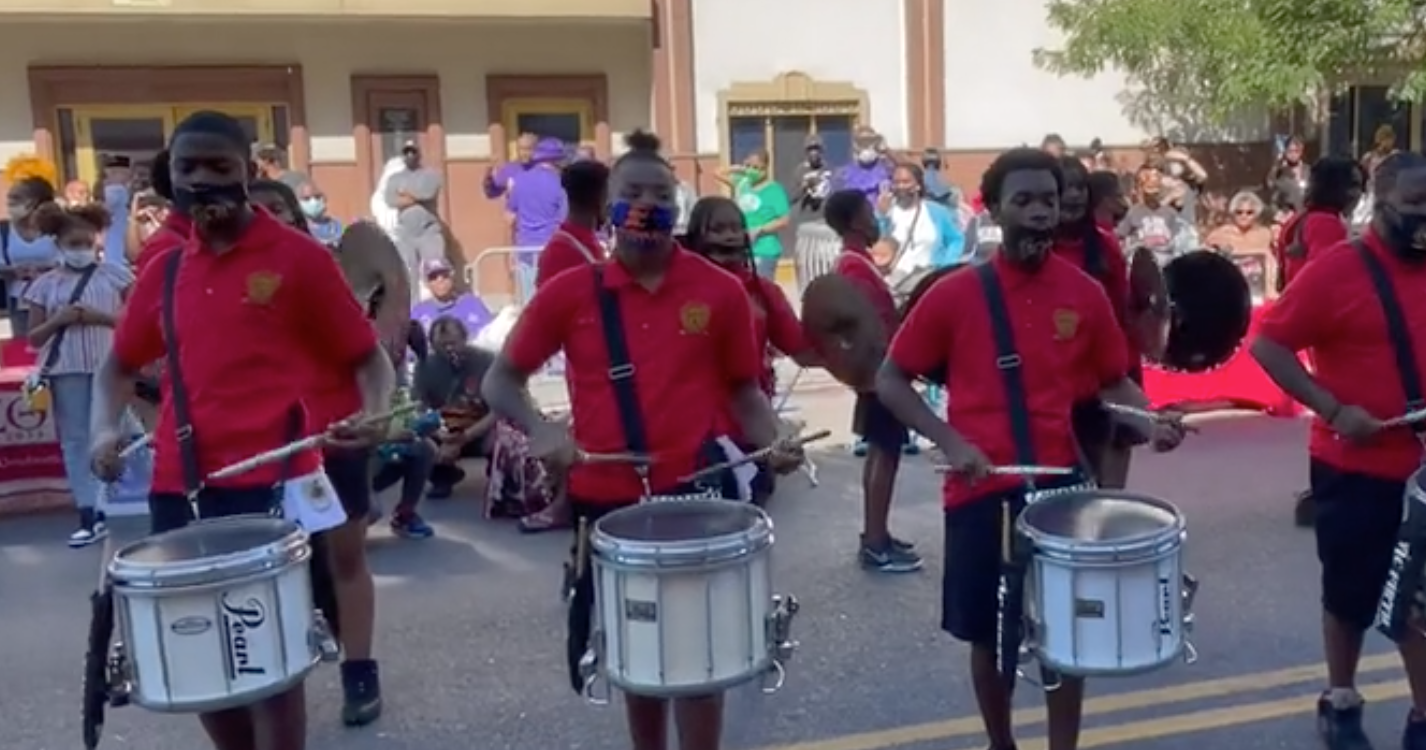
627, 553
290, 549
1134, 549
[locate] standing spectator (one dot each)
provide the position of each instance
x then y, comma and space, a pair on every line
765, 207
937, 189
535, 205
870, 173
1245, 231
326, 228
271, 162
72, 309
447, 301
816, 182
1288, 175
1182, 176
413, 192
1054, 145
25, 250
1151, 222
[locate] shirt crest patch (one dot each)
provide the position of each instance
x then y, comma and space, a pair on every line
694, 317
1066, 324
261, 286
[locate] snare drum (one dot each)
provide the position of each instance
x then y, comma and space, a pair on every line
1106, 593
683, 599
216, 615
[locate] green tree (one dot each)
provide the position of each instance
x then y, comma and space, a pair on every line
1205, 61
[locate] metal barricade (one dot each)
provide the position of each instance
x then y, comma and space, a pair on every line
517, 267
815, 253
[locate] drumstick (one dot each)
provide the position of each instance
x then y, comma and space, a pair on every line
638, 459
581, 548
755, 456
1018, 471
134, 447
1407, 419
1157, 417
787, 394
278, 454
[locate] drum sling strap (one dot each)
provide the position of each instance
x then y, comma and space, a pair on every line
1014, 556
1408, 562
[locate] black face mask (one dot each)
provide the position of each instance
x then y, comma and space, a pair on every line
1028, 248
1405, 234
814, 159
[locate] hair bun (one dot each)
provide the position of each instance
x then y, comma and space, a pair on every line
642, 140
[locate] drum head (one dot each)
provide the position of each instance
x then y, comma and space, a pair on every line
1100, 516
681, 521
1212, 308
206, 540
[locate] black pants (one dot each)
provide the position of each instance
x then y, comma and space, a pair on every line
1358, 517
970, 584
169, 511
350, 473
411, 470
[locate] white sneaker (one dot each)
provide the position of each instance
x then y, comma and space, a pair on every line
85, 537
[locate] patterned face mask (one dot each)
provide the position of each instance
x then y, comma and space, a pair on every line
641, 225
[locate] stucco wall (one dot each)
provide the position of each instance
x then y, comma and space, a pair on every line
854, 41
462, 54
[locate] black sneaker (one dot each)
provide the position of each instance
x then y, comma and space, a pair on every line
1414, 736
890, 559
361, 692
900, 544
1341, 727
1304, 513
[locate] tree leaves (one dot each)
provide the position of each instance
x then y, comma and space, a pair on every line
1214, 59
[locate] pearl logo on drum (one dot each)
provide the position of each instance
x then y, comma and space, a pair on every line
241, 620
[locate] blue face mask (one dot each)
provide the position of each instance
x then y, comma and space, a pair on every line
314, 207
640, 225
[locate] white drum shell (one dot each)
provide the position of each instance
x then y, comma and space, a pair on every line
686, 617
1105, 591
242, 637
1106, 620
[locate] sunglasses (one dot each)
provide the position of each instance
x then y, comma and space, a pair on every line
1245, 212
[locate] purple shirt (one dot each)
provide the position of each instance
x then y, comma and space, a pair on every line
537, 200
467, 308
868, 180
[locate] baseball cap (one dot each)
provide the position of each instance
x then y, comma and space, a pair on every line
435, 268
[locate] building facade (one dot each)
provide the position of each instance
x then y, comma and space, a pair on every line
342, 83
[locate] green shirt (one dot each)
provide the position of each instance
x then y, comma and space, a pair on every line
762, 205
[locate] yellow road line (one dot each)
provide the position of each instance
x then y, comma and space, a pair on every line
1218, 718
1108, 704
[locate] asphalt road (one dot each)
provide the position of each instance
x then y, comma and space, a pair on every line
470, 631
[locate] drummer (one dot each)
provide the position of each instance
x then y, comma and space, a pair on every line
1359, 467
1066, 334
256, 279
851, 217
694, 355
718, 232
1094, 249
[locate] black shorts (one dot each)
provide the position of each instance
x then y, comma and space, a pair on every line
970, 583
877, 425
1095, 429
1358, 518
351, 473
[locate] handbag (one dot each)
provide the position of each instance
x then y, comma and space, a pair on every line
37, 390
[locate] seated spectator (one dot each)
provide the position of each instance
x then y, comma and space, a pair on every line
323, 226
407, 458
448, 380
447, 302
1243, 230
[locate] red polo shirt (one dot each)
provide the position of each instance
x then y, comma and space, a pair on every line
1314, 231
856, 264
775, 325
1113, 275
253, 323
572, 246
171, 234
1331, 310
690, 342
1065, 333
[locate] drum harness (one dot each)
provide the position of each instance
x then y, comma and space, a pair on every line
1408, 560
104, 667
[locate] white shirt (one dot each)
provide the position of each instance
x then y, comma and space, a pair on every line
915, 235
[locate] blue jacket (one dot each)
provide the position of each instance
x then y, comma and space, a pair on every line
949, 249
